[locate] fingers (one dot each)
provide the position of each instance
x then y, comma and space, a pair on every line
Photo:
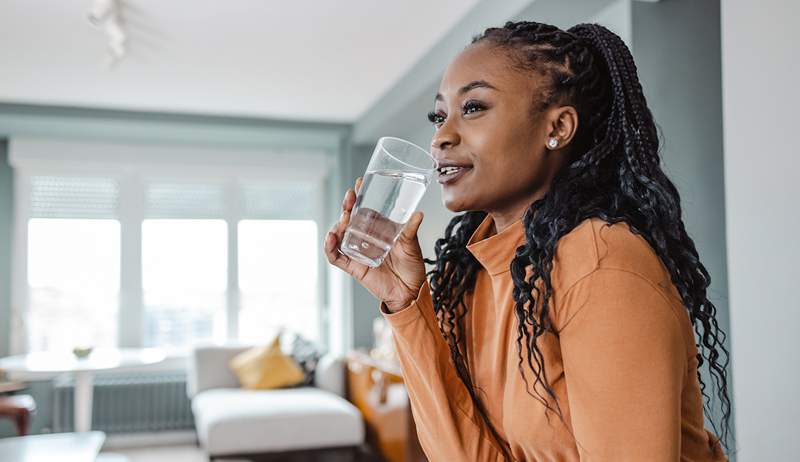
349, 200
340, 260
348, 203
334, 255
344, 216
332, 252
334, 237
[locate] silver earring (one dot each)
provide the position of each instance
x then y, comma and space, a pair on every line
552, 143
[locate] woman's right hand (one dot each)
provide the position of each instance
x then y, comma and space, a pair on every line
398, 279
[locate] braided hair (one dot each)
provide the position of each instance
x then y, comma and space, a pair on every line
613, 173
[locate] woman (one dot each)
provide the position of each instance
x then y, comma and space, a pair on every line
569, 287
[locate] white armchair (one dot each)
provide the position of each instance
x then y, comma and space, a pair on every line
302, 421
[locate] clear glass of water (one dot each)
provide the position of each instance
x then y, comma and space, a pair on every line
395, 180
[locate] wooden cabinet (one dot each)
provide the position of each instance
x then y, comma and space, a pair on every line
376, 388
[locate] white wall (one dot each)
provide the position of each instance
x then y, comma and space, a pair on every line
762, 186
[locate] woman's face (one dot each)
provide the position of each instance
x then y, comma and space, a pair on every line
484, 125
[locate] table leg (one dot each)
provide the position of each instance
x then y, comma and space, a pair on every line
84, 388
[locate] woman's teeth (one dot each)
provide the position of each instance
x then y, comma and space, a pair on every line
449, 170
451, 174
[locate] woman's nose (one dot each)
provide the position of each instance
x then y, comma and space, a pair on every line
444, 137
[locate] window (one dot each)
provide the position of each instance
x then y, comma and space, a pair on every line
278, 277
73, 257
184, 278
73, 275
163, 254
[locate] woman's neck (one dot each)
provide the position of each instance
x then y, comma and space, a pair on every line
504, 217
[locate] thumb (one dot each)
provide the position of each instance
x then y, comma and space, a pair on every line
411, 228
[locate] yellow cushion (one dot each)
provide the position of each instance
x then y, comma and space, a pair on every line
266, 367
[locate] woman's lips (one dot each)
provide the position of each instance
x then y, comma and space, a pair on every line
452, 174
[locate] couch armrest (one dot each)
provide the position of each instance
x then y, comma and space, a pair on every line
208, 368
330, 374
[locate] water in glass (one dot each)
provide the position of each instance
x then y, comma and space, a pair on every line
385, 203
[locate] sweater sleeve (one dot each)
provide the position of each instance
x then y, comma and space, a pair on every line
448, 424
625, 363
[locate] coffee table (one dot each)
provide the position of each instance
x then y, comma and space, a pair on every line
63, 447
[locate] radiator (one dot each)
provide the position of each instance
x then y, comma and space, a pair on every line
129, 403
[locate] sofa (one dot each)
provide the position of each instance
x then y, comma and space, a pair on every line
307, 423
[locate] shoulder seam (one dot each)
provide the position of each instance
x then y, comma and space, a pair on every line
596, 262
594, 242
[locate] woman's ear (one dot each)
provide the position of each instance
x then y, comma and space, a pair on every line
562, 126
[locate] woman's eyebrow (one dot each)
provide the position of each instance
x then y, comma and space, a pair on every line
470, 86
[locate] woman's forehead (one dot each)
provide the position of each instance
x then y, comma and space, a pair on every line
490, 64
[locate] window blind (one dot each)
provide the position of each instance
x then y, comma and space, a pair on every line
180, 199
73, 197
279, 200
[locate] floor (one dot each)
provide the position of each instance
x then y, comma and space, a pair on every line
181, 453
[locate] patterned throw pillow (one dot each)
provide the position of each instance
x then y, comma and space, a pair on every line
306, 353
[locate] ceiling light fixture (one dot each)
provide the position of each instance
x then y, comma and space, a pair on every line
105, 14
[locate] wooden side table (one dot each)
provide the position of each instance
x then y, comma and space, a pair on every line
18, 408
376, 388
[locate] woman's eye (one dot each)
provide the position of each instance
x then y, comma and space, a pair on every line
472, 106
435, 118
469, 107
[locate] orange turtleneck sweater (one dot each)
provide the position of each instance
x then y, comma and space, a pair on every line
622, 364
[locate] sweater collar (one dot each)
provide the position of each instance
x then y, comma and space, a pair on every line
495, 251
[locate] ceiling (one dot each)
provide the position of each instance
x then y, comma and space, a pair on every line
294, 60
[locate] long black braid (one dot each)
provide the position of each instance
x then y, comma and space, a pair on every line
614, 174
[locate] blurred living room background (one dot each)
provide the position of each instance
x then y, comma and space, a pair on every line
168, 171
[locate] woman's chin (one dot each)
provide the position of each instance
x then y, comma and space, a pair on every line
456, 204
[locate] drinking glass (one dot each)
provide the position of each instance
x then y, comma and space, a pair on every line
396, 178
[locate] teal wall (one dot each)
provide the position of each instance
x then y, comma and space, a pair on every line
154, 127
681, 72
6, 211
39, 389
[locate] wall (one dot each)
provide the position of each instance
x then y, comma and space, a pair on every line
39, 389
680, 71
762, 187
6, 213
